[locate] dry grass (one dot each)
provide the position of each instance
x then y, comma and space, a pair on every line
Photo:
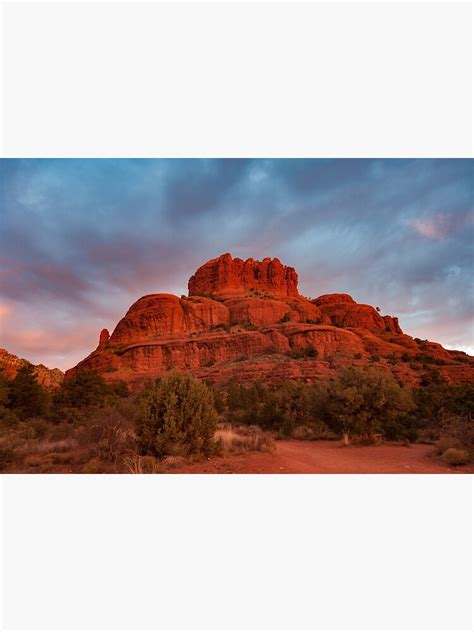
317, 432
174, 461
44, 446
456, 457
136, 464
239, 440
445, 444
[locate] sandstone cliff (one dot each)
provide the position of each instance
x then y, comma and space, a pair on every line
246, 320
49, 378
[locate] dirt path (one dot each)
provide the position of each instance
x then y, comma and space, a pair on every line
328, 457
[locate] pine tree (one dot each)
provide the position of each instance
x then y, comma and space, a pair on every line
27, 398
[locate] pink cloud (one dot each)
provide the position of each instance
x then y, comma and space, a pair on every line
441, 225
435, 227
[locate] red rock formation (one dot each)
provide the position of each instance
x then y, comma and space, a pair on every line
343, 311
257, 326
330, 299
10, 364
391, 324
158, 315
226, 276
104, 337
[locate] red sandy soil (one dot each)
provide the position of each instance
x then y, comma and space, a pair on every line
329, 457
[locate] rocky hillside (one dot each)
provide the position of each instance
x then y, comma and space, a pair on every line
49, 378
247, 320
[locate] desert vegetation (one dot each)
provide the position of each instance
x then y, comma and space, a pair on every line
88, 425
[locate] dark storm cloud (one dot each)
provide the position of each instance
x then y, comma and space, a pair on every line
82, 239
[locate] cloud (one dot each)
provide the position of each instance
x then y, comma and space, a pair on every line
433, 228
82, 239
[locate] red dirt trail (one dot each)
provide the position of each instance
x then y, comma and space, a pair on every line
329, 457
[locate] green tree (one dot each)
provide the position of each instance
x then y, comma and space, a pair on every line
84, 389
362, 402
27, 398
177, 416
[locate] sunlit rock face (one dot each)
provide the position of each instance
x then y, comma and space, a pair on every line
10, 365
246, 320
225, 276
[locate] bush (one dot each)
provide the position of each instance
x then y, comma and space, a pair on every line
375, 357
96, 466
177, 417
106, 433
361, 402
316, 432
306, 352
444, 444
455, 457
459, 429
7, 456
221, 327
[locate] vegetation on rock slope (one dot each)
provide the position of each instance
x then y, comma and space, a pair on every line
90, 426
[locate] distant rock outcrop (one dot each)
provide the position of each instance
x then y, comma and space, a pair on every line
10, 364
246, 320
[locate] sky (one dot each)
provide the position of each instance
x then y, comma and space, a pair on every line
82, 239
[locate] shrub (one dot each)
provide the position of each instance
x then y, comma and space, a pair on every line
315, 432
248, 325
460, 430
95, 466
307, 352
455, 457
4, 389
361, 402
444, 444
375, 357
106, 433
221, 327
177, 417
7, 456
405, 357
357, 356
119, 388
286, 318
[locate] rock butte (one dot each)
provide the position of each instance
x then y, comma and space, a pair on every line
246, 320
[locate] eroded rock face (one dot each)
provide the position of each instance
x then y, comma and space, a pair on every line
10, 364
246, 320
226, 276
158, 315
331, 299
104, 337
343, 311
